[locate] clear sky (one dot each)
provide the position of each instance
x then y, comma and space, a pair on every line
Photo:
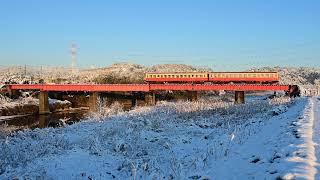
230, 35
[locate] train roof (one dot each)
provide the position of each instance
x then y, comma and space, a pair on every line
174, 72
245, 72
211, 72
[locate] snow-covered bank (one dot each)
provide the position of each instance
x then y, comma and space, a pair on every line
28, 105
197, 140
316, 132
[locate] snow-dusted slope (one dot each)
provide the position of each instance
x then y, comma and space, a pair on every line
206, 139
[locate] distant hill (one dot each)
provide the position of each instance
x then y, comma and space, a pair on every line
134, 73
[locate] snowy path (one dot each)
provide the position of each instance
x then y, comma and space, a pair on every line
316, 136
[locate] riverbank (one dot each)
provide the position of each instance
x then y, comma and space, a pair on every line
28, 106
178, 140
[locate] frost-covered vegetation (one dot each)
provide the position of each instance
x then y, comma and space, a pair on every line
170, 140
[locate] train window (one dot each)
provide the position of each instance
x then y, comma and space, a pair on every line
192, 75
185, 76
189, 75
165, 76
196, 75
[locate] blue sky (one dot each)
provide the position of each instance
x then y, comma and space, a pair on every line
223, 35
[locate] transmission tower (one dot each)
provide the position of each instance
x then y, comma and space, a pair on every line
73, 57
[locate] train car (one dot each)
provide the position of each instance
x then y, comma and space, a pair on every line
176, 77
247, 77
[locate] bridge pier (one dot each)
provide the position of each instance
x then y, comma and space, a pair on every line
239, 97
150, 98
44, 103
193, 95
12, 93
93, 101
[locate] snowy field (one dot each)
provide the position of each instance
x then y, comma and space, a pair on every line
262, 139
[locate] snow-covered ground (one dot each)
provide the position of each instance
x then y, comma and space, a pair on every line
316, 135
208, 139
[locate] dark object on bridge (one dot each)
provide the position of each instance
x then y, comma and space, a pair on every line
41, 81
294, 91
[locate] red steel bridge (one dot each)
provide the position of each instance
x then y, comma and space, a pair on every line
148, 89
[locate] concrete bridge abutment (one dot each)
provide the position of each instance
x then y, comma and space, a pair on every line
150, 98
94, 99
239, 97
44, 102
192, 95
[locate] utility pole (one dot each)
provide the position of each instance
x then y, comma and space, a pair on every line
25, 71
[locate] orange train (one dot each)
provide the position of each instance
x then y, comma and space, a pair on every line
215, 77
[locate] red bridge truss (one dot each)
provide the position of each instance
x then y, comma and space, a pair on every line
147, 87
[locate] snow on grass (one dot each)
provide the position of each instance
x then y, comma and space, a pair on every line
304, 148
196, 140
